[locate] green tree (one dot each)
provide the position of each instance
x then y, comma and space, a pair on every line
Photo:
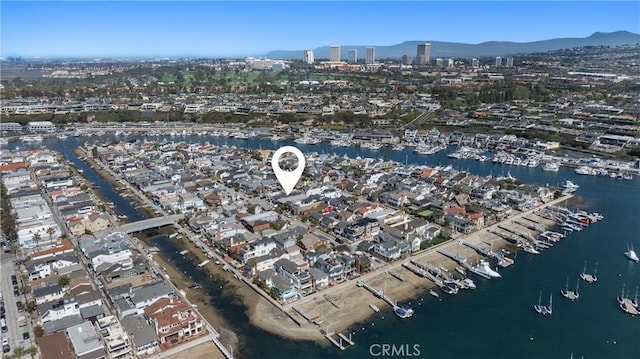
50, 232
38, 331
36, 238
64, 281
30, 306
19, 352
32, 351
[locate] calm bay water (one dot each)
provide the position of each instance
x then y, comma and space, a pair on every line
497, 319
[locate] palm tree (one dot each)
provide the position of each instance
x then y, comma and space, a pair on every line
32, 351
19, 352
50, 232
36, 238
15, 248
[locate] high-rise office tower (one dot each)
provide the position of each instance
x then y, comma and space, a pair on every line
334, 53
498, 62
307, 56
353, 56
424, 54
371, 55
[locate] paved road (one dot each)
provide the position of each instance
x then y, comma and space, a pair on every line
14, 332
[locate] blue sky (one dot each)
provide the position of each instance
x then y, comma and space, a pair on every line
223, 28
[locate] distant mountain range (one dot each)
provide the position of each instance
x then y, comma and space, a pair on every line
457, 50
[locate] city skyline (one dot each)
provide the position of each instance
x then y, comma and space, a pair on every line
237, 29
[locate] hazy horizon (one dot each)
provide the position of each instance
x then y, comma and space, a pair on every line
152, 29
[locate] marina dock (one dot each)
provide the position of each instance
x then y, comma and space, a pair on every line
378, 293
339, 342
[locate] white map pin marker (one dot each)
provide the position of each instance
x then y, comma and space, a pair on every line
287, 179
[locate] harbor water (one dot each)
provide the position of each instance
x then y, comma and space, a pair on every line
497, 319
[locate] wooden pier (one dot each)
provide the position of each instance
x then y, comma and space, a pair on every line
338, 343
378, 293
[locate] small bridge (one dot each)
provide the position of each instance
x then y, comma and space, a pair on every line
145, 224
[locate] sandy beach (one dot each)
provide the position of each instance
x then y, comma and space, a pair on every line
343, 307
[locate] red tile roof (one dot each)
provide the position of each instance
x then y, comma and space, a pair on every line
13, 166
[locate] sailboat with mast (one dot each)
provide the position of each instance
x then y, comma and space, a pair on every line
544, 309
589, 278
570, 294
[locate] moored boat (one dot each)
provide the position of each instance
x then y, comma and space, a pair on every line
630, 253
589, 278
570, 294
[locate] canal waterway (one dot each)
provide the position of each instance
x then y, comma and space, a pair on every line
497, 319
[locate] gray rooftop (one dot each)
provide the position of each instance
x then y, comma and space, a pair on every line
150, 291
60, 324
84, 338
141, 331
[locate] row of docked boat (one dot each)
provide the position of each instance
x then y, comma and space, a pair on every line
602, 172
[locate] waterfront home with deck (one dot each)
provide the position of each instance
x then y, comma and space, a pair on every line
300, 277
174, 321
286, 291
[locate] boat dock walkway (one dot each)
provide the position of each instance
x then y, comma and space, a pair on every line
377, 292
456, 258
422, 273
531, 226
339, 343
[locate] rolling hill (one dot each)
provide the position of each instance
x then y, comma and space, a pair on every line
457, 50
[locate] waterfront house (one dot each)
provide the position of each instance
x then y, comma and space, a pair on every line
389, 250
143, 296
286, 291
116, 340
144, 340
174, 321
300, 277
334, 270
320, 279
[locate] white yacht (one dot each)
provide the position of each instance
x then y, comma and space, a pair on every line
551, 167
584, 170
484, 267
569, 186
630, 253
307, 140
468, 282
